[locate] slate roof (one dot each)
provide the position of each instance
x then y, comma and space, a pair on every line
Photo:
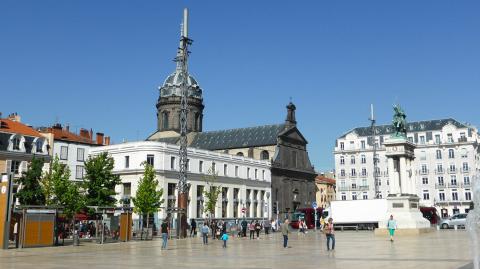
417, 126
238, 138
169, 140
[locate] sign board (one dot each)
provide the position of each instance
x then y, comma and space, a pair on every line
243, 210
314, 204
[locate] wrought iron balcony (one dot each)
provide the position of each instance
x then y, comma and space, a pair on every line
423, 172
465, 169
439, 171
440, 185
364, 174
466, 185
452, 170
353, 174
453, 185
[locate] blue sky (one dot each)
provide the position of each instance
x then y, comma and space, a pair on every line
97, 64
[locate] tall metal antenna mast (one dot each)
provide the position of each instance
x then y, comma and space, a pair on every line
182, 59
375, 157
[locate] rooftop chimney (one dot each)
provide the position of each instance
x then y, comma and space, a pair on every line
14, 117
99, 138
84, 133
57, 126
107, 140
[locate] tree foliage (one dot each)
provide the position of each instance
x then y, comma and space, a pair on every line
99, 181
211, 191
60, 191
31, 191
148, 199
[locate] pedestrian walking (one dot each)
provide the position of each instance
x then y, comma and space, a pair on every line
213, 228
285, 231
225, 239
258, 228
205, 231
330, 234
274, 226
266, 225
193, 227
322, 223
165, 231
392, 226
251, 228
244, 228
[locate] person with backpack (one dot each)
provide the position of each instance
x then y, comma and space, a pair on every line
205, 231
330, 234
244, 228
224, 239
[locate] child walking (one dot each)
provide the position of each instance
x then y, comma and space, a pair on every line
225, 239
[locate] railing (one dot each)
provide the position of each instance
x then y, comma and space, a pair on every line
466, 184
440, 185
462, 139
453, 185
353, 188
452, 171
352, 175
364, 174
439, 171
465, 169
341, 176
343, 188
423, 172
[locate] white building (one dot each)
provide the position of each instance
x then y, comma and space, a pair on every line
446, 158
73, 149
245, 182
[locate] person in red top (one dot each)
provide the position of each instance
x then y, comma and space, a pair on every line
330, 233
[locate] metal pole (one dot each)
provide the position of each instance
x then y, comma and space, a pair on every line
375, 159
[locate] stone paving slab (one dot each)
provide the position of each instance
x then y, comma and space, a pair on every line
439, 249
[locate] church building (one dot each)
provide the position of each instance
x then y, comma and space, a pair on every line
283, 145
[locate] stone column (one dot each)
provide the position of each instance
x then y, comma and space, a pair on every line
404, 180
252, 207
393, 182
259, 204
230, 203
192, 207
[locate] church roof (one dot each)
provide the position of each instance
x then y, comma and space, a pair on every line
238, 138
416, 126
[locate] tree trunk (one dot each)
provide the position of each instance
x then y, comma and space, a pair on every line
148, 215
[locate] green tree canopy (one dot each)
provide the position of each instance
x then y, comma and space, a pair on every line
147, 199
60, 191
99, 181
31, 191
211, 192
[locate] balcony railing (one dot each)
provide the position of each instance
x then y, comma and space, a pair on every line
450, 201
364, 174
423, 172
354, 188
453, 185
452, 171
341, 176
465, 169
440, 185
466, 185
439, 171
352, 175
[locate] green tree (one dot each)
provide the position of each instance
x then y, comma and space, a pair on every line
31, 191
99, 181
147, 199
60, 190
211, 192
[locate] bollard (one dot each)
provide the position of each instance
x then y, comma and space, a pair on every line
455, 227
76, 240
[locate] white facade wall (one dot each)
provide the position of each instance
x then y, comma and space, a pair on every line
427, 173
73, 157
228, 206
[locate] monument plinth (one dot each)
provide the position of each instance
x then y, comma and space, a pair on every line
403, 202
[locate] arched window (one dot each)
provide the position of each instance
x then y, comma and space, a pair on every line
197, 121
240, 154
16, 143
264, 155
165, 120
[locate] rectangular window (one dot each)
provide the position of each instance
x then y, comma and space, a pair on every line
449, 138
437, 139
426, 195
248, 172
422, 140
468, 196
451, 153
354, 196
425, 181
465, 167
344, 196
263, 174
454, 196
363, 144
352, 159
466, 181
342, 160
440, 181
453, 180
364, 159
188, 164
150, 159
200, 166
438, 154
236, 171
365, 196
127, 161
439, 168
80, 154
256, 173
79, 172
127, 189
172, 163
214, 168
342, 172
342, 146
63, 152
15, 167
452, 168
441, 196
225, 170
424, 169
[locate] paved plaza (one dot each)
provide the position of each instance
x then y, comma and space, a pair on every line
440, 249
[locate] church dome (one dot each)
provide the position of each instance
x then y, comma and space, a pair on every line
173, 83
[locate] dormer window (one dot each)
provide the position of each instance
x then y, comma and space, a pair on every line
39, 143
16, 143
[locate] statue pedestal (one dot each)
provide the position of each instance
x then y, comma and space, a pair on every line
406, 212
